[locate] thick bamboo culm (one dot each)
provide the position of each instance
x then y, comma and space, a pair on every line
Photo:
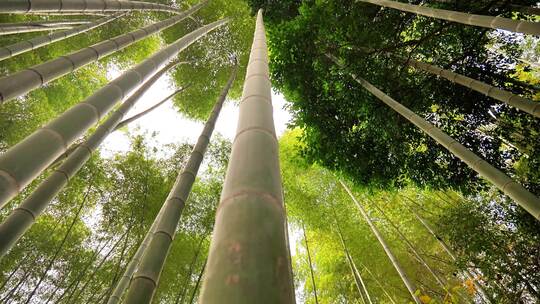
518, 193
37, 42
518, 26
22, 82
249, 260
79, 6
145, 280
22, 163
410, 286
37, 26
514, 100
24, 216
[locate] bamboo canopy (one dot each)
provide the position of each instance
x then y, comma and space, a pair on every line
22, 82
249, 260
518, 26
146, 278
22, 163
78, 6
507, 185
24, 216
37, 42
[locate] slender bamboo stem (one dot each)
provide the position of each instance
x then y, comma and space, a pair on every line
509, 98
22, 163
62, 243
93, 274
411, 247
24, 216
450, 253
75, 283
518, 193
518, 26
37, 42
310, 265
197, 284
146, 278
410, 287
24, 81
360, 286
38, 26
85, 6
139, 115
180, 297
249, 260
379, 283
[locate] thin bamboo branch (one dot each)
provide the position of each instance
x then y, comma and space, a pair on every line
37, 42
379, 283
450, 253
139, 115
411, 247
37, 26
248, 260
357, 278
410, 287
197, 284
518, 26
310, 264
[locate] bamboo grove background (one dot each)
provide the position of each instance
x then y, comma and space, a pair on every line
408, 174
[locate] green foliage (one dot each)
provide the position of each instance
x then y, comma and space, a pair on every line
347, 129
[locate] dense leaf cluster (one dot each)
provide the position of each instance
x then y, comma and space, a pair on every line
348, 129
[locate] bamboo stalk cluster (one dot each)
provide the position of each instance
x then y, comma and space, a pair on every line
21, 164
78, 6
34, 43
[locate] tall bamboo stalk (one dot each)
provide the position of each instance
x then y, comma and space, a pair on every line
22, 163
24, 81
310, 265
248, 260
514, 100
79, 6
24, 216
37, 42
518, 26
518, 193
411, 247
410, 287
146, 278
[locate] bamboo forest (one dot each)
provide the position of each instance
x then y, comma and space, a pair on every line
270, 151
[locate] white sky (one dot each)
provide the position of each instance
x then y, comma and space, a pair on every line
173, 127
